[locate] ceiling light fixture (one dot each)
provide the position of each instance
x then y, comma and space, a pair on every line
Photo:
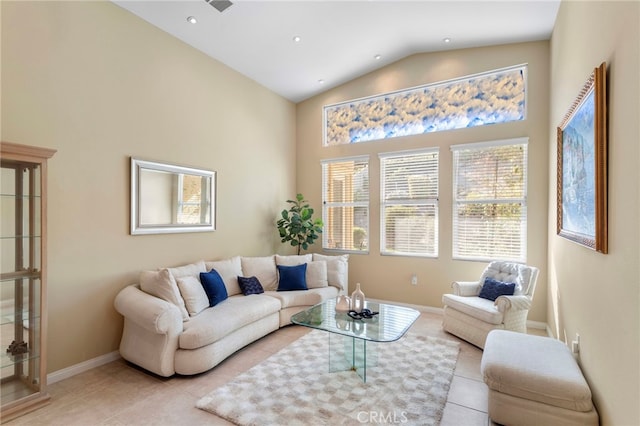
446, 40
321, 81
297, 39
377, 57
192, 20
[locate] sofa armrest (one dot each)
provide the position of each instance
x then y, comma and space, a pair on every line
466, 288
516, 303
149, 312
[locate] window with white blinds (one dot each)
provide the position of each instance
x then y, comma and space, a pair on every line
490, 200
345, 204
409, 203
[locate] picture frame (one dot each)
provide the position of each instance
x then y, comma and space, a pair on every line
582, 167
170, 198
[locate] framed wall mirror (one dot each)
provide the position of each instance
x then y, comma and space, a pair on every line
167, 198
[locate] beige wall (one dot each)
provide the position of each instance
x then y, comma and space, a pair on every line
596, 295
388, 277
99, 85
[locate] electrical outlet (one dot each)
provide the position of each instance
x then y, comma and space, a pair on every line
575, 345
414, 279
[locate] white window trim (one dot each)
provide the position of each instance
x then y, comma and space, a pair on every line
490, 144
367, 204
428, 201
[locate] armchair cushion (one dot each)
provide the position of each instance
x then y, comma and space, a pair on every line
482, 309
510, 273
492, 289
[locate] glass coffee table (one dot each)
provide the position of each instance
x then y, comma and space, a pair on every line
348, 337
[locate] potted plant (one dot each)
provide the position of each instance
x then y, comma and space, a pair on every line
297, 225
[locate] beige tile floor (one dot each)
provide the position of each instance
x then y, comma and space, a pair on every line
118, 393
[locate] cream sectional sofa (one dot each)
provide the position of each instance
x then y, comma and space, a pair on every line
170, 327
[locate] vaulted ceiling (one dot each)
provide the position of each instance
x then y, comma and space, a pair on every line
303, 47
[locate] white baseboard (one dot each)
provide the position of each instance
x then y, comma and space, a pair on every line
537, 325
65, 373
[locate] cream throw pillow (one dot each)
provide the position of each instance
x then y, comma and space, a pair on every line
317, 274
263, 268
337, 269
195, 298
229, 270
162, 285
192, 269
293, 260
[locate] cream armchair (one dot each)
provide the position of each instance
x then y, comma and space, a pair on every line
471, 317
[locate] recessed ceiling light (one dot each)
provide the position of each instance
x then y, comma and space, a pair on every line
297, 39
377, 57
321, 81
446, 40
192, 20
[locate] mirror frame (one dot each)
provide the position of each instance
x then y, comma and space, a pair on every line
137, 228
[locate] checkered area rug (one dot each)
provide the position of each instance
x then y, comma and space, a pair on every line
408, 384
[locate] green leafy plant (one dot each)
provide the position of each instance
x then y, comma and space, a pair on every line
297, 225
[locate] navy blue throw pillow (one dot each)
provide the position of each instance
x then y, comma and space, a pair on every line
250, 285
292, 277
214, 287
492, 289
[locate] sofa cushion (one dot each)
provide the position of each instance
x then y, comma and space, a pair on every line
328, 292
263, 268
483, 309
492, 289
215, 323
192, 269
509, 273
317, 274
213, 286
337, 269
195, 298
297, 297
293, 260
292, 277
162, 285
229, 270
250, 285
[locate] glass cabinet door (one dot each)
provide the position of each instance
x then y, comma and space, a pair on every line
22, 279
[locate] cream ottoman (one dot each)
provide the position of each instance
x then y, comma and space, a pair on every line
534, 380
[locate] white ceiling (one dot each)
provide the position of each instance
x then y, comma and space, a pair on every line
339, 39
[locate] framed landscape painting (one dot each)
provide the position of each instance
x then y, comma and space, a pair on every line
582, 166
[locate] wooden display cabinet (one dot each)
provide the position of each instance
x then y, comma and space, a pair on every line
23, 278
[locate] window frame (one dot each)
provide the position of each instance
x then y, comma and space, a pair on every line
358, 110
326, 205
522, 256
426, 201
